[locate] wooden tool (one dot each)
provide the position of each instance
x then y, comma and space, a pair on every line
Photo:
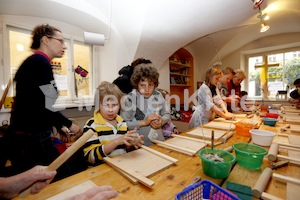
182, 144
261, 184
5, 93
285, 128
137, 165
63, 157
273, 152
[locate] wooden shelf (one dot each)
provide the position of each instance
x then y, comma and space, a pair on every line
178, 64
175, 74
179, 85
181, 74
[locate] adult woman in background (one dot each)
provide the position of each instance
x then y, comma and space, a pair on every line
235, 83
210, 102
33, 116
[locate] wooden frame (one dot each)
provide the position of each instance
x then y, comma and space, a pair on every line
139, 164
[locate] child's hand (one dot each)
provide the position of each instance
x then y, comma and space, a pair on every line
131, 138
156, 123
175, 131
149, 119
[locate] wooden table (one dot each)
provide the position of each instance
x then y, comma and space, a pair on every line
171, 180
249, 177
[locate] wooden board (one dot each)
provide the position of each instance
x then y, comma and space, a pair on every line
220, 119
292, 190
186, 145
294, 119
220, 125
206, 133
140, 163
78, 189
240, 115
295, 128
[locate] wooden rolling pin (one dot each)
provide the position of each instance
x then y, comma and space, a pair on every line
262, 182
273, 152
63, 157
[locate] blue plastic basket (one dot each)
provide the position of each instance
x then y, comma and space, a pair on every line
204, 189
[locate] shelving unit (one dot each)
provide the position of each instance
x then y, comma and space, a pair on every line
181, 75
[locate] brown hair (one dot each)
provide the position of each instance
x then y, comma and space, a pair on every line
139, 61
40, 31
143, 72
210, 73
228, 70
106, 88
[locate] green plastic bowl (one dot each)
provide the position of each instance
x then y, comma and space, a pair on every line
249, 155
216, 169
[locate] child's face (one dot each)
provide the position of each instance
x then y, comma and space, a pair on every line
237, 80
215, 79
109, 109
146, 88
226, 78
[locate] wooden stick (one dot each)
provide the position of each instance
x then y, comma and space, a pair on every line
142, 179
63, 157
289, 158
174, 147
129, 177
188, 138
5, 93
288, 145
289, 148
267, 196
286, 179
169, 158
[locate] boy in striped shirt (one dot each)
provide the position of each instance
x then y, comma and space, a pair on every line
111, 137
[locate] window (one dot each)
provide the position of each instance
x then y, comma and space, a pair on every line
282, 70
72, 72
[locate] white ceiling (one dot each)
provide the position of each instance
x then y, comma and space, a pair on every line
157, 28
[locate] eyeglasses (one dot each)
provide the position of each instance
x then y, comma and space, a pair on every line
62, 42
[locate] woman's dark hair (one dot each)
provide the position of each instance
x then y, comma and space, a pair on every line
142, 72
40, 31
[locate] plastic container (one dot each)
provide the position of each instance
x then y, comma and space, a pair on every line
270, 115
264, 108
262, 137
249, 155
205, 189
243, 128
216, 169
269, 121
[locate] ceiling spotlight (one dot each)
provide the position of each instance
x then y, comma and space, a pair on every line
264, 27
263, 17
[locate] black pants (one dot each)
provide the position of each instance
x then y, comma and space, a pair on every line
28, 150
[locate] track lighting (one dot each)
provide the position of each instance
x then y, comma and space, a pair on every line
264, 27
263, 18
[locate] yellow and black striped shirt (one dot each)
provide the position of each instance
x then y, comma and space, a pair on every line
104, 133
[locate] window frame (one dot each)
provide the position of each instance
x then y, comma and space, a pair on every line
246, 54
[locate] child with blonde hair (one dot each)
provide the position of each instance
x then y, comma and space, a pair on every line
111, 136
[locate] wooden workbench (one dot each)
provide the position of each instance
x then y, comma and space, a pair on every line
173, 179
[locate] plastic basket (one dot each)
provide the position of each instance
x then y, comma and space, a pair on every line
204, 189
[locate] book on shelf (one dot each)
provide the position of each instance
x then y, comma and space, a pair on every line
173, 80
